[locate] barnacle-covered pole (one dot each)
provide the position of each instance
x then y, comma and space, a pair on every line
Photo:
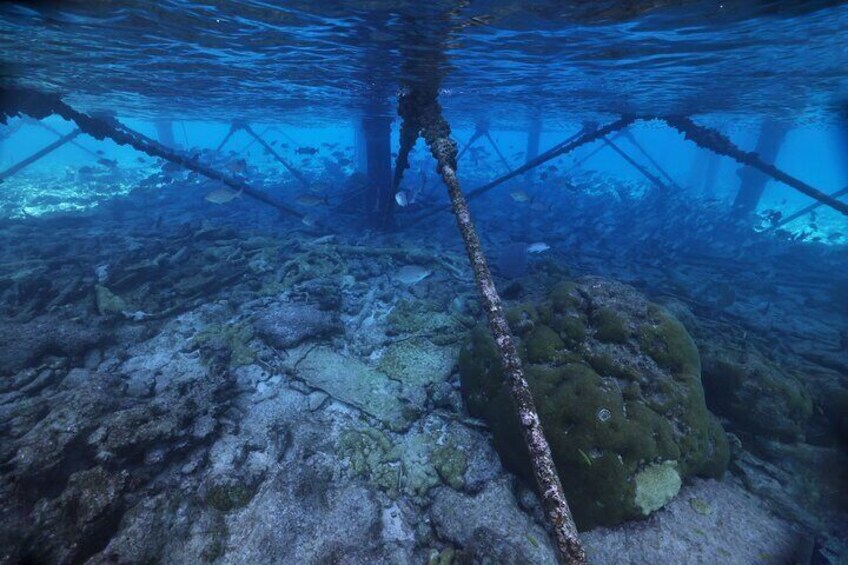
420, 107
408, 136
717, 142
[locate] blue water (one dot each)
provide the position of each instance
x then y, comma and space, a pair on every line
191, 375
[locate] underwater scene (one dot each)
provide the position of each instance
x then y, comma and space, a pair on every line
450, 282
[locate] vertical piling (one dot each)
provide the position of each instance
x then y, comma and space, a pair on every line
377, 129
534, 136
165, 132
752, 183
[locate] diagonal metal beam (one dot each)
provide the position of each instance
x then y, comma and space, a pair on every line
39, 154
578, 140
645, 172
717, 142
291, 168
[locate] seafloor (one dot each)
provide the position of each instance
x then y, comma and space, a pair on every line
185, 386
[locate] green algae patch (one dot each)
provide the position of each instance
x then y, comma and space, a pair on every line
450, 463
522, 318
609, 326
229, 496
109, 303
370, 453
700, 506
668, 343
761, 396
232, 338
313, 264
543, 345
572, 329
412, 466
418, 362
424, 318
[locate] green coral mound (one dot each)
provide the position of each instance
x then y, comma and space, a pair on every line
616, 381
758, 395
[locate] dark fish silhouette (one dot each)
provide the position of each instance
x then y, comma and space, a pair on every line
306, 150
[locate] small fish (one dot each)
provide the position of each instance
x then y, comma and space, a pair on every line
237, 166
140, 159
539, 247
100, 152
412, 274
519, 196
773, 216
306, 150
404, 198
833, 236
111, 163
344, 162
222, 196
171, 168
273, 143
319, 187
478, 21
310, 200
